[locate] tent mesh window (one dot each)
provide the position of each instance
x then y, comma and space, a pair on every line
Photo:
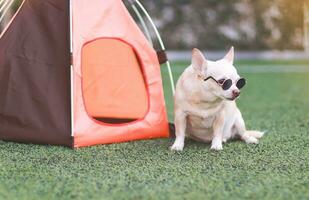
113, 84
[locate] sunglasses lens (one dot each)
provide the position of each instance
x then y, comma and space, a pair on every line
241, 83
227, 84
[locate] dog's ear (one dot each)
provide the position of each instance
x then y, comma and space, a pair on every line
230, 56
199, 62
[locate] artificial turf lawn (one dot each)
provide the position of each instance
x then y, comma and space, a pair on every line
277, 168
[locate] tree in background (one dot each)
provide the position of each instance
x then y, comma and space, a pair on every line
213, 24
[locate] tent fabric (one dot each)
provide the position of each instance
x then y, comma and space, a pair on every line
112, 21
35, 76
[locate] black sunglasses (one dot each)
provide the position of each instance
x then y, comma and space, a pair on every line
227, 83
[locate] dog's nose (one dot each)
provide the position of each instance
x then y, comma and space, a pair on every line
236, 93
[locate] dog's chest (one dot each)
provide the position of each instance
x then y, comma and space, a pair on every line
200, 122
203, 122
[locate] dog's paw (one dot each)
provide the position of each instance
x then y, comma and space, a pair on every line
217, 146
251, 140
177, 146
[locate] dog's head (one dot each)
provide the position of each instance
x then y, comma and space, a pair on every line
218, 77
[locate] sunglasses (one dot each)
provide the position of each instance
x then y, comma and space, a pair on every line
227, 83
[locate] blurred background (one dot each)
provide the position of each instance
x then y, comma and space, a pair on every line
257, 29
249, 25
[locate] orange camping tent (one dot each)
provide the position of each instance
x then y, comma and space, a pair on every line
91, 75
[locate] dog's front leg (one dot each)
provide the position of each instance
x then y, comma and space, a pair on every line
218, 126
180, 125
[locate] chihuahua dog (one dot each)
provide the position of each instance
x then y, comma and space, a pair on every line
205, 107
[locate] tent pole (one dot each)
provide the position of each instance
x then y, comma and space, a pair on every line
143, 23
6, 10
160, 41
1, 1
71, 68
4, 5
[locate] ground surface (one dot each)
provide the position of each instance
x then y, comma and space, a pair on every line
277, 168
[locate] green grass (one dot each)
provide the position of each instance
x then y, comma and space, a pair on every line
277, 168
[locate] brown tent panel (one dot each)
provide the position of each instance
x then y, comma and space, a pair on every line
35, 75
